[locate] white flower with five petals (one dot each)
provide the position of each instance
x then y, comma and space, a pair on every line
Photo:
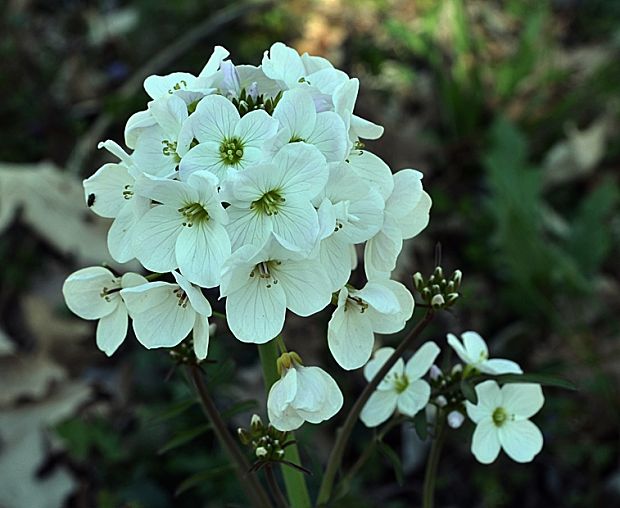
95, 293
164, 314
402, 388
502, 421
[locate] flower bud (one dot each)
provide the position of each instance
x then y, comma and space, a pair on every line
418, 281
441, 401
435, 373
438, 273
426, 294
456, 278
436, 289
455, 419
256, 423
437, 302
261, 452
244, 436
451, 298
457, 369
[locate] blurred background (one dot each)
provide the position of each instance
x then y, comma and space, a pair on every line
510, 109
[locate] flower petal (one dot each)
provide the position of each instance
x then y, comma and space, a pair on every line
255, 313
372, 170
378, 360
392, 322
305, 285
215, 119
521, 440
422, 360
379, 408
296, 225
489, 399
83, 292
200, 304
301, 171
106, 187
414, 398
485, 443
155, 238
296, 113
283, 64
500, 366
200, 335
112, 330
475, 346
256, 128
522, 399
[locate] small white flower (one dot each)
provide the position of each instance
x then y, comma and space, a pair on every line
382, 306
502, 421
163, 314
303, 394
94, 293
474, 352
186, 230
260, 285
110, 193
275, 199
455, 419
406, 214
299, 121
402, 388
227, 141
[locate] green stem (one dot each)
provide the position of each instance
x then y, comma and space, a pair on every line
249, 482
430, 476
274, 487
294, 480
344, 433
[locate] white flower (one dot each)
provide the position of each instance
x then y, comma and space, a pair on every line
303, 394
350, 212
406, 214
382, 306
94, 293
163, 314
501, 418
474, 352
227, 141
110, 193
274, 198
158, 148
260, 286
344, 98
186, 230
402, 388
299, 121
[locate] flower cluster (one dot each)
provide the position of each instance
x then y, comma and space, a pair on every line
253, 180
501, 414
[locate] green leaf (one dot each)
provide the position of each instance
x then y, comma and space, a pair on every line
184, 437
240, 407
203, 476
394, 459
541, 379
421, 425
172, 411
468, 391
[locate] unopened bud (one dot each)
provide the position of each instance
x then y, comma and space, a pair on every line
441, 401
256, 423
457, 369
436, 289
426, 294
456, 278
451, 298
252, 90
450, 287
418, 281
455, 419
437, 302
438, 273
435, 373
261, 452
244, 436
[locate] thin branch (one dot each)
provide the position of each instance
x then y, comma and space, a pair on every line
344, 433
275, 488
255, 492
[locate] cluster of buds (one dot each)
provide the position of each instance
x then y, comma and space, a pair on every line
183, 353
266, 441
446, 388
438, 291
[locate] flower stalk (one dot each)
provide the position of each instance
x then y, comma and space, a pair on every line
430, 475
344, 433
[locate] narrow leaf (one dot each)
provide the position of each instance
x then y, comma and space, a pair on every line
184, 437
421, 425
541, 379
468, 392
172, 411
394, 459
201, 477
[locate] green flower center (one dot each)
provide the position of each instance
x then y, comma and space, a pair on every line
194, 213
269, 203
231, 151
401, 383
296, 139
500, 416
